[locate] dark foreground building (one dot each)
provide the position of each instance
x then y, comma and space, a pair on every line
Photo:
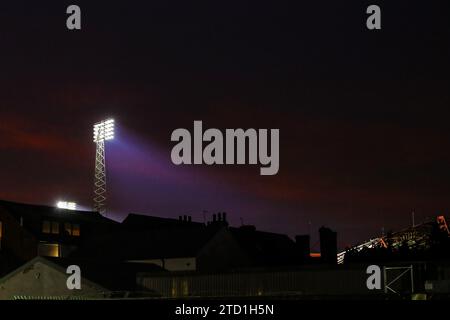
158, 257
184, 245
46, 278
27, 231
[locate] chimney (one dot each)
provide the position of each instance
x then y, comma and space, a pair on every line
224, 214
180, 218
214, 218
328, 245
189, 219
302, 243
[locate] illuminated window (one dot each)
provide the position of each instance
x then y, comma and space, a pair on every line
68, 228
55, 227
72, 229
76, 230
46, 227
49, 250
50, 227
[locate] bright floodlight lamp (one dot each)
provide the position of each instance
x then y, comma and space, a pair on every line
103, 131
66, 205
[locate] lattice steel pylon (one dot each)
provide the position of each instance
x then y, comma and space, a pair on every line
103, 131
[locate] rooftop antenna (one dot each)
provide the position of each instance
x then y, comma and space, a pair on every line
103, 131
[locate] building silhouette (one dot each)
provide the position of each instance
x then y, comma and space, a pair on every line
151, 256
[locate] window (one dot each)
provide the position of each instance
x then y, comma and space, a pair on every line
72, 229
76, 230
49, 250
55, 227
50, 227
46, 227
68, 228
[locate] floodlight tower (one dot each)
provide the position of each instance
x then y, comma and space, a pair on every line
103, 131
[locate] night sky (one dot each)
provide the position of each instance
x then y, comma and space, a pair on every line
363, 115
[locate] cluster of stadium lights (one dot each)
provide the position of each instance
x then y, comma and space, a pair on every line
104, 130
66, 205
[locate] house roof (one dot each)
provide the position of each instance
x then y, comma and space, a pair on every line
32, 215
174, 242
45, 261
107, 275
266, 248
147, 237
37, 211
140, 222
112, 275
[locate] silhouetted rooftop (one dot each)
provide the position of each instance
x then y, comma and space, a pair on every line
170, 242
34, 211
266, 248
138, 221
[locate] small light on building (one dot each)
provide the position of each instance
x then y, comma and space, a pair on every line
66, 205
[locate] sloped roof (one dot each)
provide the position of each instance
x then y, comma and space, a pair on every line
109, 275
36, 211
112, 275
174, 242
32, 215
266, 248
139, 221
45, 261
